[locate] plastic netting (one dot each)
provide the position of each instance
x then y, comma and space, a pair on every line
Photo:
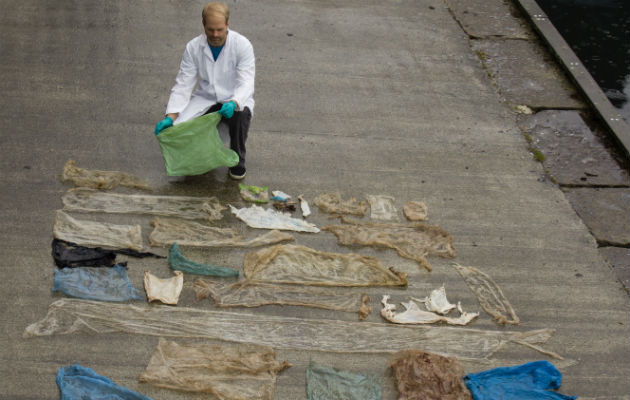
421, 375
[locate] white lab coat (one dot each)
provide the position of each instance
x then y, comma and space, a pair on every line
231, 77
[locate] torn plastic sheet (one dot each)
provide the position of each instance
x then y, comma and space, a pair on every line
414, 315
229, 372
90, 200
416, 211
437, 302
77, 382
323, 383
334, 204
166, 290
69, 316
421, 375
100, 179
249, 294
104, 284
414, 241
382, 207
489, 295
258, 217
189, 233
71, 255
97, 233
178, 262
306, 210
256, 194
306, 266
530, 381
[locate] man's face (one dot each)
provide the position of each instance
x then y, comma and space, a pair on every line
216, 30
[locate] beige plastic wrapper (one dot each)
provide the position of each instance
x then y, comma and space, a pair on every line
189, 233
416, 211
229, 372
249, 294
100, 179
414, 241
88, 233
421, 375
166, 290
334, 204
382, 207
489, 295
90, 200
305, 266
71, 316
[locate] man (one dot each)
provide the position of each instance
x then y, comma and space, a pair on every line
221, 65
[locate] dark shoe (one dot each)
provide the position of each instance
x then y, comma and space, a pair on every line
237, 173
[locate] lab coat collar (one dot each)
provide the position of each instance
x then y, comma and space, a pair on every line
205, 47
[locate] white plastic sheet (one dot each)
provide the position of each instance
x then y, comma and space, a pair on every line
258, 217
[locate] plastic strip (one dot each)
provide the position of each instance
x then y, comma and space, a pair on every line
249, 294
90, 200
70, 316
189, 233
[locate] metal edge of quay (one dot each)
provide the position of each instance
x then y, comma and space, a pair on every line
577, 72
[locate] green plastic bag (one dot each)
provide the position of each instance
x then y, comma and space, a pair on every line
194, 147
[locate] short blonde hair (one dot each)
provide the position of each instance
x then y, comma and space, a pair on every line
216, 8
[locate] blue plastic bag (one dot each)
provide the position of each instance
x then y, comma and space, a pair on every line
530, 381
93, 283
79, 383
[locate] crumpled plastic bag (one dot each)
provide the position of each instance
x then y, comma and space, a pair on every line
257, 194
229, 372
194, 147
100, 179
77, 382
93, 283
530, 381
323, 382
165, 290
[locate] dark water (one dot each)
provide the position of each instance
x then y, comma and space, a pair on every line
598, 32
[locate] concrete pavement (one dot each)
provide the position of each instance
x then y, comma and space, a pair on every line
359, 97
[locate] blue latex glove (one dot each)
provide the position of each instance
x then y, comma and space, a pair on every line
227, 109
163, 124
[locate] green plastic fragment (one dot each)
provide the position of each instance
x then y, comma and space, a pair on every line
257, 194
178, 262
326, 383
194, 147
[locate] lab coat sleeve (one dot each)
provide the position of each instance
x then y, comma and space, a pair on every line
245, 73
184, 83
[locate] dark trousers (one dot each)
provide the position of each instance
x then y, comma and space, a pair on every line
238, 126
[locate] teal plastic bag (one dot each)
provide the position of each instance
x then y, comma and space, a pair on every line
194, 147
